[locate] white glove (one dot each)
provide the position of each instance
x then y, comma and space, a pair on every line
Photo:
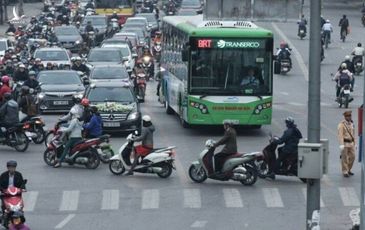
342, 147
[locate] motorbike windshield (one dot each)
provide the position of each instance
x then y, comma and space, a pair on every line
231, 67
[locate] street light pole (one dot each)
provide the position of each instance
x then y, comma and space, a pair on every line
362, 204
314, 101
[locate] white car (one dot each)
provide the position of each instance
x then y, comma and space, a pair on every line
126, 53
54, 55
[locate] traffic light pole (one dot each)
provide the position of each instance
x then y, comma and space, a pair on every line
314, 102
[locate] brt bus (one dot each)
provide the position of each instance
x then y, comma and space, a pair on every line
216, 71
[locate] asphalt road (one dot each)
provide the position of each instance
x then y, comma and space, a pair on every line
77, 198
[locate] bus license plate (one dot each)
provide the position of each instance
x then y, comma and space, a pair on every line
235, 122
60, 102
111, 124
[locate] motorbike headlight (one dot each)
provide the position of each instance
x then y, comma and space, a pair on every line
146, 59
133, 116
41, 95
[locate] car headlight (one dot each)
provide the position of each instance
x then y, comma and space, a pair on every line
41, 95
78, 42
133, 116
79, 94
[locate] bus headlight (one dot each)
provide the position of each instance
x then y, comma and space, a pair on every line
203, 108
261, 107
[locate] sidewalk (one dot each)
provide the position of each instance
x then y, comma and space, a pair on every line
342, 4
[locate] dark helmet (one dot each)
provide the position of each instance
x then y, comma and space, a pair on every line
289, 121
359, 44
228, 123
24, 89
17, 214
76, 99
7, 96
11, 163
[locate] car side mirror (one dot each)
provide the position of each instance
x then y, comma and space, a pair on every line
199, 11
185, 55
124, 59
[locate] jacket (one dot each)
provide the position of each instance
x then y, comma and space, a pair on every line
350, 66
21, 76
229, 140
75, 128
338, 75
146, 136
80, 112
3, 90
19, 227
94, 127
9, 112
346, 133
31, 83
290, 138
18, 180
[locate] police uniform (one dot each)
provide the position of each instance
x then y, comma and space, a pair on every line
346, 138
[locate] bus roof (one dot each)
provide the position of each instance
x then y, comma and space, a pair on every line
195, 26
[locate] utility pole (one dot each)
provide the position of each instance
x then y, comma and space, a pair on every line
20, 8
6, 2
2, 12
362, 203
314, 101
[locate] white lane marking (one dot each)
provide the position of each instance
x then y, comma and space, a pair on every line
65, 221
296, 104
70, 200
232, 198
30, 199
272, 198
297, 55
325, 104
150, 199
199, 224
284, 93
192, 198
110, 200
348, 196
321, 203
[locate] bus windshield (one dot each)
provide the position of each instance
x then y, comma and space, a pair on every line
231, 71
113, 4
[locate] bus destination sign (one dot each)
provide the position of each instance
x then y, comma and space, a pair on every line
207, 43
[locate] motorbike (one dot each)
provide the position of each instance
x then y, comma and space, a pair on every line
34, 129
91, 39
302, 33
289, 166
326, 38
16, 138
358, 65
284, 66
51, 133
84, 152
343, 35
157, 51
159, 161
148, 66
237, 167
141, 86
12, 201
115, 27
345, 98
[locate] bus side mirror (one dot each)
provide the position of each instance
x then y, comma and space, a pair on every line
185, 55
276, 67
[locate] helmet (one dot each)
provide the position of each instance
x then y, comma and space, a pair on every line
327, 20
343, 66
78, 59
282, 44
347, 57
7, 96
31, 73
17, 214
146, 118
21, 66
5, 79
73, 59
359, 44
289, 121
11, 163
25, 89
158, 33
85, 102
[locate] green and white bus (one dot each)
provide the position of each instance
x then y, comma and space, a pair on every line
216, 71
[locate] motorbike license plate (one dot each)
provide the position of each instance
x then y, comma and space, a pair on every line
111, 124
285, 69
60, 102
301, 31
346, 91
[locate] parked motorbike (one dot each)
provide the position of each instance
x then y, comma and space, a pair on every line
159, 161
147, 65
289, 166
358, 65
34, 129
83, 153
237, 167
16, 138
141, 86
12, 201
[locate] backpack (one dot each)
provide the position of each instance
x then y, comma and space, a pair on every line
31, 106
344, 79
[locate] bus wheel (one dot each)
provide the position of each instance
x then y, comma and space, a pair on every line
168, 109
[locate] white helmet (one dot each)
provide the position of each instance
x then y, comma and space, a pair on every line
146, 118
327, 20
347, 57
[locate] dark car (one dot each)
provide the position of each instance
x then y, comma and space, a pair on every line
57, 89
152, 22
100, 24
105, 56
68, 37
117, 105
110, 73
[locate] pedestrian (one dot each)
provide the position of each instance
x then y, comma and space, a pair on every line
346, 138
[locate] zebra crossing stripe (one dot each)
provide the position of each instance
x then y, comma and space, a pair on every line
30, 199
348, 196
232, 198
150, 199
110, 200
70, 200
272, 198
304, 190
192, 198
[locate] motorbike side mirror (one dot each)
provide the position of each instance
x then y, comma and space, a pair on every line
25, 181
199, 11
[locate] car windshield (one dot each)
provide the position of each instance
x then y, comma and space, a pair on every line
104, 56
117, 94
133, 21
190, 3
139, 32
59, 78
123, 47
95, 21
187, 12
108, 72
65, 31
150, 17
131, 38
225, 69
51, 55
3, 45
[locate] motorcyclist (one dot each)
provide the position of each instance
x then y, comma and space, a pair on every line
9, 113
17, 221
87, 113
284, 53
5, 87
230, 141
344, 24
114, 16
94, 128
302, 25
327, 30
75, 135
89, 5
148, 5
84, 49
147, 142
349, 64
358, 53
21, 74
79, 66
32, 81
343, 77
77, 108
89, 27
26, 104
158, 37
290, 139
